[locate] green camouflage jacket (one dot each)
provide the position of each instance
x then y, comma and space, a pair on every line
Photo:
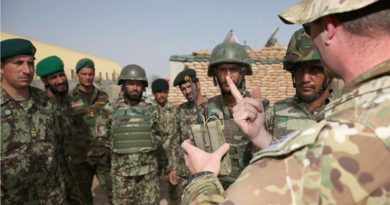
31, 151
344, 159
137, 164
83, 118
63, 107
167, 113
187, 114
290, 114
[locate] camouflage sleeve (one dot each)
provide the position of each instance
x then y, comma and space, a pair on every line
166, 131
331, 162
63, 132
205, 189
172, 152
102, 130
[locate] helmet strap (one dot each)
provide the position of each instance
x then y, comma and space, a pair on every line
293, 80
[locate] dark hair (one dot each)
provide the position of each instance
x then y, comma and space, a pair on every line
368, 20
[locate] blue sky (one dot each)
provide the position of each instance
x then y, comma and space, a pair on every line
144, 32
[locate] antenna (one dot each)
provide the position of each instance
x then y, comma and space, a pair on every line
272, 40
231, 37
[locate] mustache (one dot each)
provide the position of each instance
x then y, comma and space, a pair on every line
26, 75
310, 85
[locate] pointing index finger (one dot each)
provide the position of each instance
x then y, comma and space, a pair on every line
233, 89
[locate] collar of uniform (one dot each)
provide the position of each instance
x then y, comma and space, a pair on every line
5, 97
36, 95
300, 105
95, 92
377, 71
191, 104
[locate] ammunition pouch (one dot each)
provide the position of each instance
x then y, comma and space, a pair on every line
209, 137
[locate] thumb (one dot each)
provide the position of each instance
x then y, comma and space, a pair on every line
187, 146
256, 93
222, 150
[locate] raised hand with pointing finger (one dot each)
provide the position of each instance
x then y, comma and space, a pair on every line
249, 115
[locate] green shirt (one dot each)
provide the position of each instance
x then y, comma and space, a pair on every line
31, 151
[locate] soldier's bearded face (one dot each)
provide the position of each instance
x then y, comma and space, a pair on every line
223, 70
57, 83
309, 80
133, 90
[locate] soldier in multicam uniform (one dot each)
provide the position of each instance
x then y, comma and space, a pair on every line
188, 113
230, 59
166, 109
51, 71
31, 137
89, 155
344, 159
312, 89
138, 133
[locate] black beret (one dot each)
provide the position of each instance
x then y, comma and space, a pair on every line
49, 65
85, 63
16, 46
160, 85
181, 77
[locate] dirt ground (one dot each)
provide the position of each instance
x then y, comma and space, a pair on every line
100, 198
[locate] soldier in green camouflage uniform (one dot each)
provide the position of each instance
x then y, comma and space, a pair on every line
51, 71
188, 113
138, 134
166, 109
345, 158
88, 154
31, 138
230, 59
312, 93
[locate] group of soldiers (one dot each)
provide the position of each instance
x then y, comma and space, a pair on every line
316, 147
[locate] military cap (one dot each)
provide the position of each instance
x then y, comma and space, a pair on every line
160, 85
49, 65
308, 11
85, 63
181, 77
16, 46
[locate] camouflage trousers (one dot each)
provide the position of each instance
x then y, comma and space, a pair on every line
84, 173
136, 190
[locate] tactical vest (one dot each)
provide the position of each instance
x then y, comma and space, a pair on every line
132, 130
240, 151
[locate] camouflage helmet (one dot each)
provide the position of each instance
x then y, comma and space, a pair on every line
133, 72
300, 49
309, 10
229, 52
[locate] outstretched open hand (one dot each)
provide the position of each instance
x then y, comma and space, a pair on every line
198, 160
